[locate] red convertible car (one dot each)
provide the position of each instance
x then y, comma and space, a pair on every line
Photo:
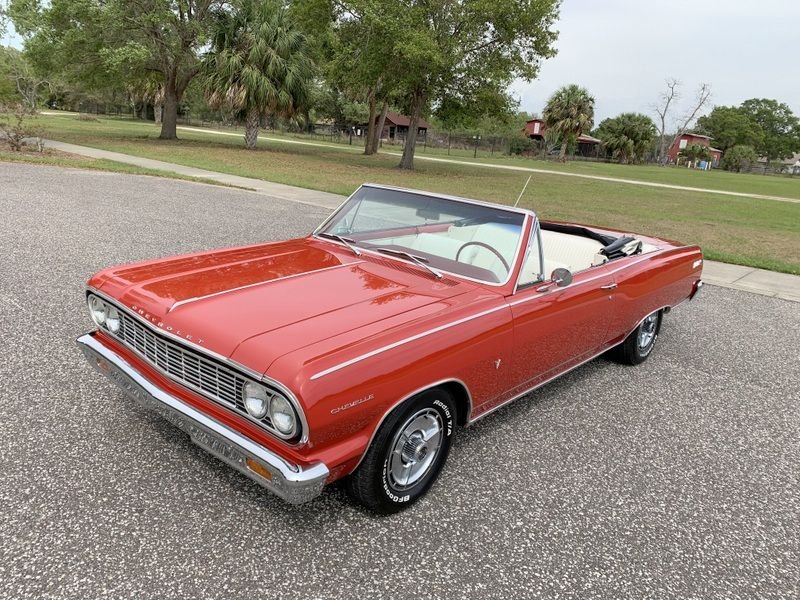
358, 351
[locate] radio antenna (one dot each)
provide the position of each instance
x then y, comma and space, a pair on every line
525, 187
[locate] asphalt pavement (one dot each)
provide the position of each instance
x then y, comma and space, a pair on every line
679, 478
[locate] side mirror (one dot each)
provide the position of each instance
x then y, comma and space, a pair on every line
561, 277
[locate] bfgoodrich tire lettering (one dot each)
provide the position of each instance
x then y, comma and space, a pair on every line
407, 454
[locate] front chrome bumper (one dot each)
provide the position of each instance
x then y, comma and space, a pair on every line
293, 483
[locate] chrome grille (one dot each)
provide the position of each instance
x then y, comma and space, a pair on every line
189, 368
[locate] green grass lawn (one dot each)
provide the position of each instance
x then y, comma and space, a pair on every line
760, 233
769, 185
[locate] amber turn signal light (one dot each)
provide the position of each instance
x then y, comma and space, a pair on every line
258, 468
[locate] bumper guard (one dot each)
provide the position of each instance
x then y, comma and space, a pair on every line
291, 482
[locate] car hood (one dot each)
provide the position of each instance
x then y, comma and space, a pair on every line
257, 303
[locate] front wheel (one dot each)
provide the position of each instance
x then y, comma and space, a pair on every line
639, 344
407, 454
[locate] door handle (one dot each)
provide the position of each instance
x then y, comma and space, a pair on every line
608, 286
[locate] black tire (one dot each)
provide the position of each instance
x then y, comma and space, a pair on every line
373, 483
631, 351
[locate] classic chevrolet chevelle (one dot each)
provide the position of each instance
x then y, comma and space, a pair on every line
357, 351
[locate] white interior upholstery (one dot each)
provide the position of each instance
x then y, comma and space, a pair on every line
573, 252
564, 250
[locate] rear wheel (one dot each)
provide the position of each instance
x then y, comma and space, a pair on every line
407, 454
639, 344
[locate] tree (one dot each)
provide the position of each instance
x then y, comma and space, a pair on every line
483, 108
738, 158
362, 63
3, 21
29, 85
664, 110
730, 126
569, 112
696, 152
780, 127
330, 103
257, 64
439, 46
8, 90
92, 42
628, 136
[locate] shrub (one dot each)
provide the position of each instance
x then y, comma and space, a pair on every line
17, 130
521, 145
738, 158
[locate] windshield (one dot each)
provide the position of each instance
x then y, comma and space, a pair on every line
470, 240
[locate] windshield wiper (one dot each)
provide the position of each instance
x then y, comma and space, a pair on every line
417, 260
349, 242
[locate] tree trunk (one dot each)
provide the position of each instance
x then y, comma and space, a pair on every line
169, 120
562, 156
376, 136
407, 162
251, 128
370, 124
157, 108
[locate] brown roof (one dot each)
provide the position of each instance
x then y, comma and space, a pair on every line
403, 121
589, 139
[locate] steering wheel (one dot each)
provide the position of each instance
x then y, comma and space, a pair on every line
489, 248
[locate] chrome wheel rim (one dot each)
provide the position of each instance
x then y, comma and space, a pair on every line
415, 448
647, 330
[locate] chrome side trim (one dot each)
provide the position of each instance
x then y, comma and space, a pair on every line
557, 375
406, 397
413, 338
251, 285
251, 373
590, 279
291, 482
537, 386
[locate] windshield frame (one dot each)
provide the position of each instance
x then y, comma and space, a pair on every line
514, 264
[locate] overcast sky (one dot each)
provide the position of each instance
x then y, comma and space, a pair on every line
623, 50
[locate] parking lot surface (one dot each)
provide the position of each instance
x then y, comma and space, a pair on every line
679, 478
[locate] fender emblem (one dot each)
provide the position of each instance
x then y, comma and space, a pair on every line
352, 404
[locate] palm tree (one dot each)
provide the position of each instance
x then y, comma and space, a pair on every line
258, 64
628, 136
569, 112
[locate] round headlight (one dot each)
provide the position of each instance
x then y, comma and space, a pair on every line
256, 400
282, 415
112, 319
98, 310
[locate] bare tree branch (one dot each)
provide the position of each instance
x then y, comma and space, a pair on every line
662, 110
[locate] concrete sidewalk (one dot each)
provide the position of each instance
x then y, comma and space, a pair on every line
748, 279
757, 281
276, 190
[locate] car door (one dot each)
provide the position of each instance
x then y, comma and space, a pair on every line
555, 327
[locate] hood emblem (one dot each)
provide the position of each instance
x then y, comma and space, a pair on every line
163, 326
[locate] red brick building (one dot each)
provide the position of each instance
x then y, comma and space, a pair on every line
693, 139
